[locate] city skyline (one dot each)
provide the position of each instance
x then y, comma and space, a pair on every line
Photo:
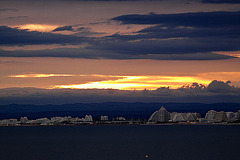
159, 116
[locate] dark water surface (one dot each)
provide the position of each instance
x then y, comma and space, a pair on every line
120, 143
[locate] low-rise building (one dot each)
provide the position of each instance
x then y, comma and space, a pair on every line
88, 118
40, 121
23, 120
120, 119
57, 120
9, 122
104, 118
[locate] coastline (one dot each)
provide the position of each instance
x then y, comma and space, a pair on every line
127, 124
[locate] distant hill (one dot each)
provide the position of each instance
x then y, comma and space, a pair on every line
111, 109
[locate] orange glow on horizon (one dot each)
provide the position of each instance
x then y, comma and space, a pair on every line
140, 82
40, 75
137, 83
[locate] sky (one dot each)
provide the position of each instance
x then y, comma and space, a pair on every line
126, 46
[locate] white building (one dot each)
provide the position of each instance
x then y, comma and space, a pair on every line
211, 115
9, 122
40, 121
221, 117
60, 119
231, 115
162, 115
237, 115
184, 117
120, 119
24, 120
88, 118
104, 118
214, 116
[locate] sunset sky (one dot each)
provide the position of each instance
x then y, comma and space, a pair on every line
126, 45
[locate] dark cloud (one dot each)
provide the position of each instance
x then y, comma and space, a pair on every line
108, 54
185, 36
197, 19
172, 40
169, 32
220, 87
166, 46
83, 29
8, 9
14, 36
221, 1
18, 17
217, 87
185, 33
86, 31
63, 28
11, 62
59, 52
114, 47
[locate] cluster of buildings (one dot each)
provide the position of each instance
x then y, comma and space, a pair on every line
159, 116
46, 121
214, 116
67, 120
163, 116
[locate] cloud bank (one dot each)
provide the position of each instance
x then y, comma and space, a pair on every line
183, 36
197, 19
221, 1
14, 36
64, 28
215, 92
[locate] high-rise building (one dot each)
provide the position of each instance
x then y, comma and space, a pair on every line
178, 117
162, 115
214, 116
237, 115
230, 115
184, 117
211, 115
221, 117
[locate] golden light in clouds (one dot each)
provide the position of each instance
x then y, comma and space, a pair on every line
59, 75
150, 82
40, 75
38, 27
230, 53
137, 82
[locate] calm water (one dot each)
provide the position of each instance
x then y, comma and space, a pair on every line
120, 143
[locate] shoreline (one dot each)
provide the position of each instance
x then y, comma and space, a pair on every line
112, 124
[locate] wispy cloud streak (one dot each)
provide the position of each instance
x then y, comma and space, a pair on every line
40, 75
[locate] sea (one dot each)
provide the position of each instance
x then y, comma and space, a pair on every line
121, 142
